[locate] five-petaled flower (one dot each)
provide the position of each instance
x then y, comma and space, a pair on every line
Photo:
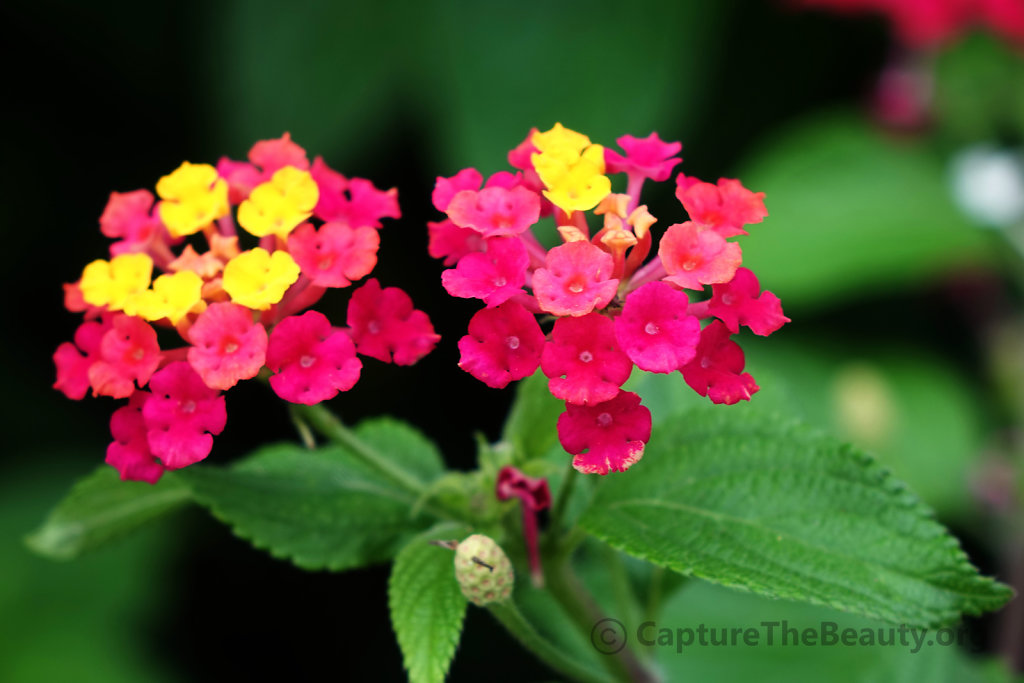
612, 306
236, 309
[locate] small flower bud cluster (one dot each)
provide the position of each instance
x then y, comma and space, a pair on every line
612, 307
235, 299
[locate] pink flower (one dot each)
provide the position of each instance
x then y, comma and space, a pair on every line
694, 257
577, 279
312, 362
450, 242
715, 371
336, 254
737, 302
655, 330
227, 346
385, 325
446, 188
725, 207
74, 360
607, 437
129, 452
504, 344
494, 275
129, 216
583, 360
351, 200
128, 353
648, 157
495, 211
182, 416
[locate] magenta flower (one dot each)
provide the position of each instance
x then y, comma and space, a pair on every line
446, 188
129, 353
655, 330
716, 370
73, 360
504, 344
741, 302
182, 416
353, 201
312, 362
725, 207
450, 242
606, 437
648, 157
576, 279
584, 361
336, 254
227, 345
494, 275
495, 211
385, 325
693, 256
129, 216
129, 452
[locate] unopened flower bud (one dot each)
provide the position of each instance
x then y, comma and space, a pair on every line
483, 570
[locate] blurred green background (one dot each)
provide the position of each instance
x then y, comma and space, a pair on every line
893, 291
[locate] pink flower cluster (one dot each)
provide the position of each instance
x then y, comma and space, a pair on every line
238, 311
924, 23
612, 308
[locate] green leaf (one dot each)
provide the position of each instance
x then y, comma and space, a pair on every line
427, 606
745, 501
323, 508
853, 212
101, 507
530, 427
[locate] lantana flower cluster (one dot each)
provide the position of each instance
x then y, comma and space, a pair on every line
609, 306
230, 300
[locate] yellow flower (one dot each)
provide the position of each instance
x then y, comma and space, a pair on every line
194, 196
112, 283
571, 168
258, 279
278, 205
173, 296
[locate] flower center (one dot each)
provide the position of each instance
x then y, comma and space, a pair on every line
689, 265
373, 326
231, 347
188, 407
604, 419
500, 281
307, 361
728, 299
586, 356
512, 342
651, 328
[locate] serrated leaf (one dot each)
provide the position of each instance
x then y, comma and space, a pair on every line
101, 507
427, 606
743, 500
322, 508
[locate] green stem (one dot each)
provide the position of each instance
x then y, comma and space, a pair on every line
562, 499
654, 594
587, 615
325, 422
514, 622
